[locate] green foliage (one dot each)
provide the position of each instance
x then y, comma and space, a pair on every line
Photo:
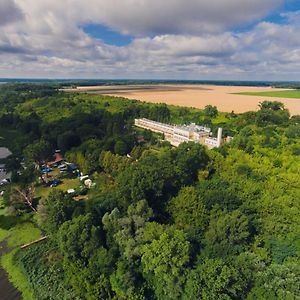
164, 262
210, 111
271, 105
16, 275
129, 236
150, 179
120, 147
113, 163
188, 212
77, 238
78, 158
164, 223
227, 234
68, 140
213, 279
277, 282
21, 233
128, 233
54, 210
41, 264
38, 152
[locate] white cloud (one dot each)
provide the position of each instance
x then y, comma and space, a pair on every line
145, 16
173, 39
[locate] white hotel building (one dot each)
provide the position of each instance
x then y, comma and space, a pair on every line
180, 134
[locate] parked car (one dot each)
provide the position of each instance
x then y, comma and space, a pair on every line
45, 170
55, 182
5, 181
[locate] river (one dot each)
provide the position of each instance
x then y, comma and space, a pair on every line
7, 290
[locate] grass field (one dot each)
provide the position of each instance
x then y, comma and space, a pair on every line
295, 94
66, 184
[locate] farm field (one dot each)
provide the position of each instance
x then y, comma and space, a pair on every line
293, 94
225, 98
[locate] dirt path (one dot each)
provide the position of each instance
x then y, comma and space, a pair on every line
7, 290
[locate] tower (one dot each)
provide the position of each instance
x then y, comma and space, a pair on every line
219, 137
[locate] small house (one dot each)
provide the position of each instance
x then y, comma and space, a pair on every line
58, 159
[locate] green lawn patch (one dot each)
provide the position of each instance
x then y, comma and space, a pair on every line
278, 94
221, 118
23, 233
66, 184
3, 234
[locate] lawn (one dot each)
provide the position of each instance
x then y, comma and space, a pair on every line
23, 233
18, 230
66, 184
221, 118
278, 94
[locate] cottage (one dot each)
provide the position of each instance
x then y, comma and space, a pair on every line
58, 159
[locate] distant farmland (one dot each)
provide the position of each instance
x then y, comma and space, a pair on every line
295, 94
225, 98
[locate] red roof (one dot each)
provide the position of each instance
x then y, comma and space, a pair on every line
57, 158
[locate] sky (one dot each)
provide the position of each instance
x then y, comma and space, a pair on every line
150, 39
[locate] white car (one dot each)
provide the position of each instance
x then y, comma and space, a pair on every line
5, 181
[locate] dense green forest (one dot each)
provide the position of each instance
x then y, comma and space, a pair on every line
161, 222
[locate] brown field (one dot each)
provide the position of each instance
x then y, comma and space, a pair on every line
195, 96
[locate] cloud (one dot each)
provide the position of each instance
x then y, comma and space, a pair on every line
178, 16
156, 17
9, 12
172, 39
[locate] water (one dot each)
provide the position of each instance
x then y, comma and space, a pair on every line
7, 290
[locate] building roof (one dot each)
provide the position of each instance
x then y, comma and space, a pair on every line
57, 158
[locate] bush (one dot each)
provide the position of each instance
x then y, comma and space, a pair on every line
42, 266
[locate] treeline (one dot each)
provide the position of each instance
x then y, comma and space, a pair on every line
166, 223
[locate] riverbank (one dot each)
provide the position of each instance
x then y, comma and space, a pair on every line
8, 291
14, 232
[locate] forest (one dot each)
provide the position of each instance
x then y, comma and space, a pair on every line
160, 222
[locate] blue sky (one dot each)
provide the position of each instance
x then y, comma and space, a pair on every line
113, 37
173, 39
107, 35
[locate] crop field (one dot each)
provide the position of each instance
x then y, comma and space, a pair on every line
295, 94
225, 98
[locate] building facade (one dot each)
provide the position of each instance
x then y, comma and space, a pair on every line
180, 134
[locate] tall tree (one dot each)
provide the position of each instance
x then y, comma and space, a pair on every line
212, 279
188, 212
164, 262
227, 234
38, 152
